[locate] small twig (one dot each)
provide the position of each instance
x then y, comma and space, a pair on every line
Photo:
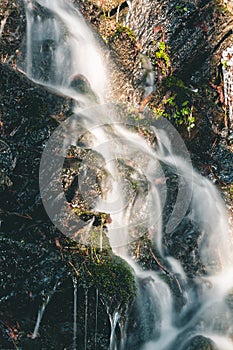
59, 247
74, 268
165, 270
26, 216
159, 263
8, 328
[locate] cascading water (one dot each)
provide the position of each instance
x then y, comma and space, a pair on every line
62, 55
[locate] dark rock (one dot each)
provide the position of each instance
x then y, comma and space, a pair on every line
39, 262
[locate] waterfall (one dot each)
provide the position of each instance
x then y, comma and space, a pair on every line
62, 55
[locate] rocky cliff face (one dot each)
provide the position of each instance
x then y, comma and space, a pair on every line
167, 56
162, 55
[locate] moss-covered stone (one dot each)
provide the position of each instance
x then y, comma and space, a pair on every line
110, 274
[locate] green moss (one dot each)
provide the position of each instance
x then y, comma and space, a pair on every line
178, 112
181, 8
162, 57
103, 270
231, 191
173, 82
96, 266
124, 30
176, 103
113, 277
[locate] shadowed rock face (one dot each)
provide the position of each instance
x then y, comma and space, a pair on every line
194, 31
195, 34
37, 257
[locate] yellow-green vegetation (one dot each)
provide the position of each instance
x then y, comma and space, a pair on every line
120, 30
224, 63
110, 29
95, 265
176, 103
124, 29
231, 191
181, 8
228, 193
181, 113
226, 5
162, 57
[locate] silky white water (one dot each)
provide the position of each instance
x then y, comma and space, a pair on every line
42, 310
62, 54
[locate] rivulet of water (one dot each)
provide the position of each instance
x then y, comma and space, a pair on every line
227, 64
96, 316
42, 310
75, 284
62, 55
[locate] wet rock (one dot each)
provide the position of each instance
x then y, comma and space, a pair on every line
199, 342
38, 260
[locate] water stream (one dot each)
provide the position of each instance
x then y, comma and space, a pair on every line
75, 283
42, 310
62, 55
114, 319
86, 319
96, 316
227, 65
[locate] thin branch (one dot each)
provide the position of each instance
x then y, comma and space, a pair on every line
165, 270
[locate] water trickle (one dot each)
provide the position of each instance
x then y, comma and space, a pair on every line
42, 310
96, 316
122, 327
86, 319
62, 55
227, 66
113, 318
101, 240
75, 284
